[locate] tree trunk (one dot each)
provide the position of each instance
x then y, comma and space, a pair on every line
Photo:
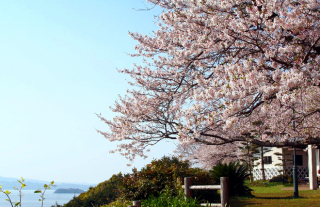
262, 164
283, 163
249, 163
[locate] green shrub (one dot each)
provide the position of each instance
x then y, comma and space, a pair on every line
153, 178
160, 174
119, 203
166, 199
237, 174
202, 177
104, 193
149, 181
280, 178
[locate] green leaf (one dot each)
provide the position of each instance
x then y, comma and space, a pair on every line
23, 185
52, 182
37, 191
22, 179
16, 204
45, 185
7, 192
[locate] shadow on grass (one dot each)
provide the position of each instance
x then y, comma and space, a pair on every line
261, 183
258, 200
243, 201
287, 197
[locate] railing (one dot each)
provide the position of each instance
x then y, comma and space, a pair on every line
136, 204
223, 187
271, 172
188, 187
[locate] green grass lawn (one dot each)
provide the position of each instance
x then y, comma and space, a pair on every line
272, 195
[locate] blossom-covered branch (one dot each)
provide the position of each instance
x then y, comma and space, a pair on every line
217, 72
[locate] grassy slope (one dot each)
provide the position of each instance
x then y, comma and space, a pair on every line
272, 195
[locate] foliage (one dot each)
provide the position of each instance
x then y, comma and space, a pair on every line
167, 199
267, 184
152, 178
22, 186
42, 192
280, 178
217, 72
7, 192
208, 155
159, 175
203, 177
237, 173
248, 153
104, 193
119, 203
248, 156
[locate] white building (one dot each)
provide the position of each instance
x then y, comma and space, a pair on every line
307, 164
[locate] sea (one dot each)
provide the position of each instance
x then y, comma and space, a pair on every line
31, 199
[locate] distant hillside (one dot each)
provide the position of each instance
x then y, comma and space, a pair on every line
32, 184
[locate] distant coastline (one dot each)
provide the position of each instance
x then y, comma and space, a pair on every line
69, 190
32, 184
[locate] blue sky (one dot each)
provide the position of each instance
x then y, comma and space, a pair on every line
58, 62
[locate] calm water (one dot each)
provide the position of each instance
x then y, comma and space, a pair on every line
31, 199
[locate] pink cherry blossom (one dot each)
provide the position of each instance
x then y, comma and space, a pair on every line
218, 72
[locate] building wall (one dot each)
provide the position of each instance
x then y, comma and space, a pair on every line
288, 156
272, 170
298, 152
274, 158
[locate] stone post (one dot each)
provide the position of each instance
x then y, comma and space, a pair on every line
224, 182
187, 184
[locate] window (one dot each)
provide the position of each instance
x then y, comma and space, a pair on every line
267, 160
299, 160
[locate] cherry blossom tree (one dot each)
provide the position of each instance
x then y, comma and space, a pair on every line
218, 72
209, 155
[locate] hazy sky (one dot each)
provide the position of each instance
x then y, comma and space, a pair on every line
58, 62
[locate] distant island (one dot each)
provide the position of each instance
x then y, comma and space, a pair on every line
69, 190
